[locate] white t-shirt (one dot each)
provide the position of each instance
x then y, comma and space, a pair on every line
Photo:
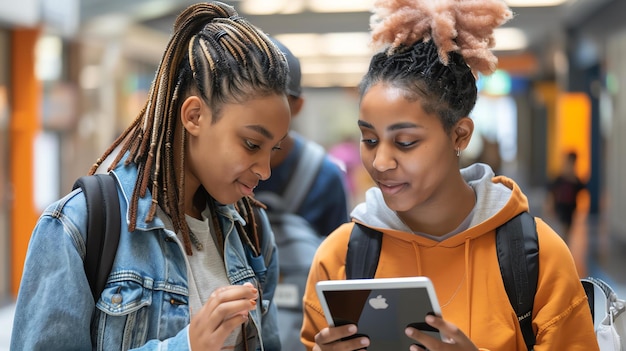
206, 271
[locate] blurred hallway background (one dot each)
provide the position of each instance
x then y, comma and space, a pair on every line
74, 73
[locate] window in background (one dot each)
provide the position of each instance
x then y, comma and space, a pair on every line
495, 115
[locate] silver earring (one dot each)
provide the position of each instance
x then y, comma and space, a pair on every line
458, 152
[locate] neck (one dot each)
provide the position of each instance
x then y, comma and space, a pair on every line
441, 218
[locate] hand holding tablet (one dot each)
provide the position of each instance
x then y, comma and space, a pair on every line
381, 308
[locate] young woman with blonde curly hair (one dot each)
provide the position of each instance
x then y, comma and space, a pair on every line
189, 272
439, 220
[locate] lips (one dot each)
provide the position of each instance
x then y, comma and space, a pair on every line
390, 188
247, 189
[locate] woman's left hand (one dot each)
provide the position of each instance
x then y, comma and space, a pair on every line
452, 338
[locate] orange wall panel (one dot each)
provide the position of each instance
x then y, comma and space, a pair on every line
25, 124
573, 133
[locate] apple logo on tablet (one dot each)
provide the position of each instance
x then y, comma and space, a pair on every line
378, 302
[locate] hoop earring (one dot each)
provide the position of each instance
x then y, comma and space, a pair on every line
458, 152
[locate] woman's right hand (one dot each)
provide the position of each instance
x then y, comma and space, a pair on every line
330, 339
226, 310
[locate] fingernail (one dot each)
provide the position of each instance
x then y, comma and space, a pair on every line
250, 285
408, 331
352, 329
429, 319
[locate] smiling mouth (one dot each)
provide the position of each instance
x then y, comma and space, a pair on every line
391, 188
247, 190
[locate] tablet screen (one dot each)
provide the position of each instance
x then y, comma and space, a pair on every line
382, 313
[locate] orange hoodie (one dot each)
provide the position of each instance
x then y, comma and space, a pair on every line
465, 272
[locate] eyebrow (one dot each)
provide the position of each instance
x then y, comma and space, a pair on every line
397, 126
261, 130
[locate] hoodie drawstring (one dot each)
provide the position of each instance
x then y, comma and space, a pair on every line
468, 272
467, 277
416, 249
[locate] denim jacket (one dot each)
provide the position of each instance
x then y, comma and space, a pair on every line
145, 303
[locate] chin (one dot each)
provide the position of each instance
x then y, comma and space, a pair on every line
395, 204
399, 209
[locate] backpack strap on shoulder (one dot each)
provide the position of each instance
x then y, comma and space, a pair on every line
103, 228
518, 254
363, 252
301, 180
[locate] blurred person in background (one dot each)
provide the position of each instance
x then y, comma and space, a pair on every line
300, 225
563, 193
325, 205
185, 171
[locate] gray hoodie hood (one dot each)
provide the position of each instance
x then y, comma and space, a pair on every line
490, 199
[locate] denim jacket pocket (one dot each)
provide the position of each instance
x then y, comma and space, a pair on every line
121, 316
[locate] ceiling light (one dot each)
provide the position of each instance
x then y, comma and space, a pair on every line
340, 5
154, 9
510, 39
271, 7
347, 44
534, 3
329, 44
302, 44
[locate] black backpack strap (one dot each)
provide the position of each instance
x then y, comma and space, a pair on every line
103, 228
518, 255
363, 252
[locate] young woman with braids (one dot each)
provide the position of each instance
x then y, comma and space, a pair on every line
438, 220
185, 170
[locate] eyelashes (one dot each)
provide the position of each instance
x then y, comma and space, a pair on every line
400, 144
252, 146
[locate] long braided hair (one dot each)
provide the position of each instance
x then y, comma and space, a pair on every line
433, 50
224, 59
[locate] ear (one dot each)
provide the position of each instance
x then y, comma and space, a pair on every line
190, 113
462, 133
295, 105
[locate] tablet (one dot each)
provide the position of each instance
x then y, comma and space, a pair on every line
381, 308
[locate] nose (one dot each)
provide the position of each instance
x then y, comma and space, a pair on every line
262, 169
383, 159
